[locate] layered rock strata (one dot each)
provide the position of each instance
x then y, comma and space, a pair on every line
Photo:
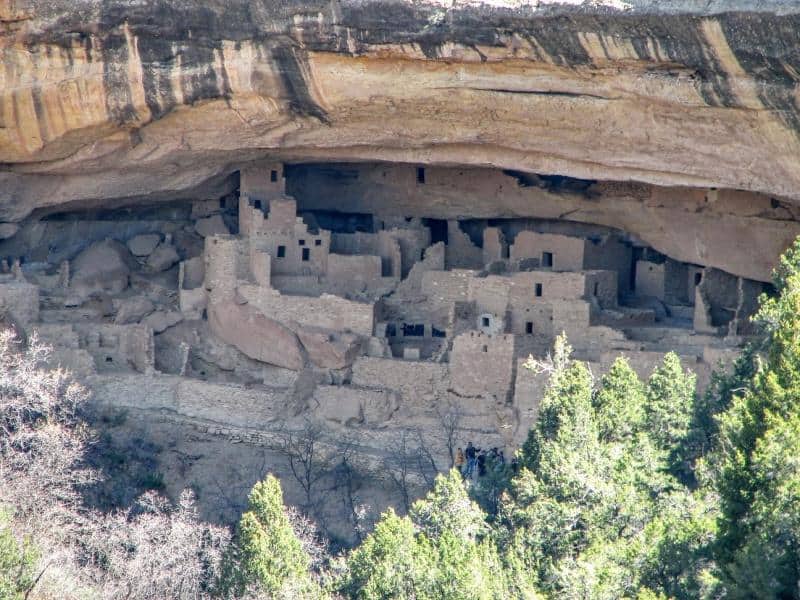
108, 100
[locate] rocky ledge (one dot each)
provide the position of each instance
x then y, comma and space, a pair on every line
106, 101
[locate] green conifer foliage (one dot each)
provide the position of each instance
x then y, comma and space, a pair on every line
620, 403
670, 402
759, 546
442, 552
595, 511
267, 555
17, 562
392, 562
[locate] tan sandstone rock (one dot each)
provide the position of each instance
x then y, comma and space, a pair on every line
162, 258
256, 335
103, 266
144, 244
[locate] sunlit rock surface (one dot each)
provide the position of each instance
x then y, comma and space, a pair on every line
104, 100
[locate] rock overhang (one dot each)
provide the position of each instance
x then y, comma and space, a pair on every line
117, 100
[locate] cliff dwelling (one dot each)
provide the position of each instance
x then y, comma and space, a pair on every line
372, 297
342, 243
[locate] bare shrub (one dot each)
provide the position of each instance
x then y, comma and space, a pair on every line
151, 550
42, 438
411, 465
155, 550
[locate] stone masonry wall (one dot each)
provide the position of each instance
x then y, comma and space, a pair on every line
327, 311
482, 365
568, 253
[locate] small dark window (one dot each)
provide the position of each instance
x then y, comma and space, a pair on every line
596, 288
257, 204
391, 330
420, 174
413, 330
485, 321
485, 348
301, 242
547, 259
538, 290
306, 254
273, 176
318, 242
437, 333
109, 359
281, 251
528, 327
222, 203
698, 277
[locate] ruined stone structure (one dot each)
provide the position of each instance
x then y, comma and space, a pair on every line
235, 218
365, 322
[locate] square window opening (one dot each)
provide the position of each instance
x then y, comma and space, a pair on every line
547, 259
485, 321
301, 242
318, 242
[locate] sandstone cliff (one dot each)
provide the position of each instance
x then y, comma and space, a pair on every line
105, 100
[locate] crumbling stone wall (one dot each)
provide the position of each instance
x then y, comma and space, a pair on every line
483, 365
495, 246
566, 253
118, 347
447, 286
461, 252
327, 311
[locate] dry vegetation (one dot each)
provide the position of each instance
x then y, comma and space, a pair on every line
148, 550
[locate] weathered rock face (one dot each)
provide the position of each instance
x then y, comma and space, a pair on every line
113, 99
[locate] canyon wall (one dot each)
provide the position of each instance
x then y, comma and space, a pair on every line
111, 100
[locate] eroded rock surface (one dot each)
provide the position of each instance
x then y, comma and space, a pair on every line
105, 99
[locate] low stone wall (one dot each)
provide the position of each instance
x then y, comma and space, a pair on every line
327, 311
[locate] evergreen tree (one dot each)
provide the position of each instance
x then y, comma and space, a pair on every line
620, 403
392, 562
267, 555
758, 546
17, 562
669, 408
595, 511
442, 552
448, 508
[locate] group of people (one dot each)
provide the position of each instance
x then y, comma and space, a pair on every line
472, 460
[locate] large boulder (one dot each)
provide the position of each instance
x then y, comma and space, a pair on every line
329, 349
161, 321
133, 310
143, 244
209, 226
255, 335
102, 267
162, 258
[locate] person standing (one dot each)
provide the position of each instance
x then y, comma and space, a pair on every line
459, 461
471, 454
